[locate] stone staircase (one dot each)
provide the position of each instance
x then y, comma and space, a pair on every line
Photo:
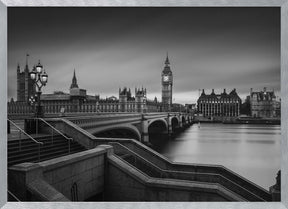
26, 150
154, 171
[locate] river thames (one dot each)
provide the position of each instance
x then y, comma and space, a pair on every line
253, 151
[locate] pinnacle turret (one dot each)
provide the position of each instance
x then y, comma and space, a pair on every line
74, 81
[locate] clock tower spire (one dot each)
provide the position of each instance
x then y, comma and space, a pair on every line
167, 83
167, 60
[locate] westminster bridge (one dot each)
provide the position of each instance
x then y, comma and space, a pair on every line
125, 125
137, 126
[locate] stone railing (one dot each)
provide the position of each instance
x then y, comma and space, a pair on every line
165, 163
153, 170
126, 182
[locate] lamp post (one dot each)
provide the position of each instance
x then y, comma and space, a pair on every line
40, 78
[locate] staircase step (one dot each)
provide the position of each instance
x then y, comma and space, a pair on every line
34, 136
28, 147
44, 149
30, 141
43, 157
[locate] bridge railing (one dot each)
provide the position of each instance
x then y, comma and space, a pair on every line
96, 118
88, 121
155, 171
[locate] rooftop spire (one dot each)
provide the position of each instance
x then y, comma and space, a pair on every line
26, 66
18, 67
27, 55
74, 81
167, 60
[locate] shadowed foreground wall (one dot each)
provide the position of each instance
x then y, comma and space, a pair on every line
52, 180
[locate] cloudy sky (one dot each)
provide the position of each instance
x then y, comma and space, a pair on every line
117, 47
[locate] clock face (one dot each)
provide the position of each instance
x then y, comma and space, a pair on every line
165, 78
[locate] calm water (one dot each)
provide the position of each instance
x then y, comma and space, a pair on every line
252, 151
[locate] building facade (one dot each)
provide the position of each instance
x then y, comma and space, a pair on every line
263, 103
167, 85
224, 105
77, 100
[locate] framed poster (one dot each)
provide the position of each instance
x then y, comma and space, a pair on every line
209, 45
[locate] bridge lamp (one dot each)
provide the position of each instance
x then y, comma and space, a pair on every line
39, 67
44, 78
33, 74
40, 79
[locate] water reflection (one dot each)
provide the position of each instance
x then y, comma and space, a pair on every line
253, 151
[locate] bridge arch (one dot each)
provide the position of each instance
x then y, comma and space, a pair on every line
174, 123
183, 120
158, 126
118, 131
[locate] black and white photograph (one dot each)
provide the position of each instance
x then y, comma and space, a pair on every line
144, 104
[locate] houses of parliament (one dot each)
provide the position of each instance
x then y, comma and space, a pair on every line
77, 100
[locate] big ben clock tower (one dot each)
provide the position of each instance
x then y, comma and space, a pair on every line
167, 83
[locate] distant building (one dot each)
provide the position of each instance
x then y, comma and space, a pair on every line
263, 103
223, 104
139, 103
278, 108
167, 84
77, 100
191, 108
25, 86
178, 108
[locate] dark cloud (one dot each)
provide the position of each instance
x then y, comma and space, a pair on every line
116, 47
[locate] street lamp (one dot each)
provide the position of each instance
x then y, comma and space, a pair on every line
40, 78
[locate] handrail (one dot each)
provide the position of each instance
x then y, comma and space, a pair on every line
20, 129
14, 196
68, 138
184, 172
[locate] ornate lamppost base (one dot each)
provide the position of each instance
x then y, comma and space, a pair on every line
39, 112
